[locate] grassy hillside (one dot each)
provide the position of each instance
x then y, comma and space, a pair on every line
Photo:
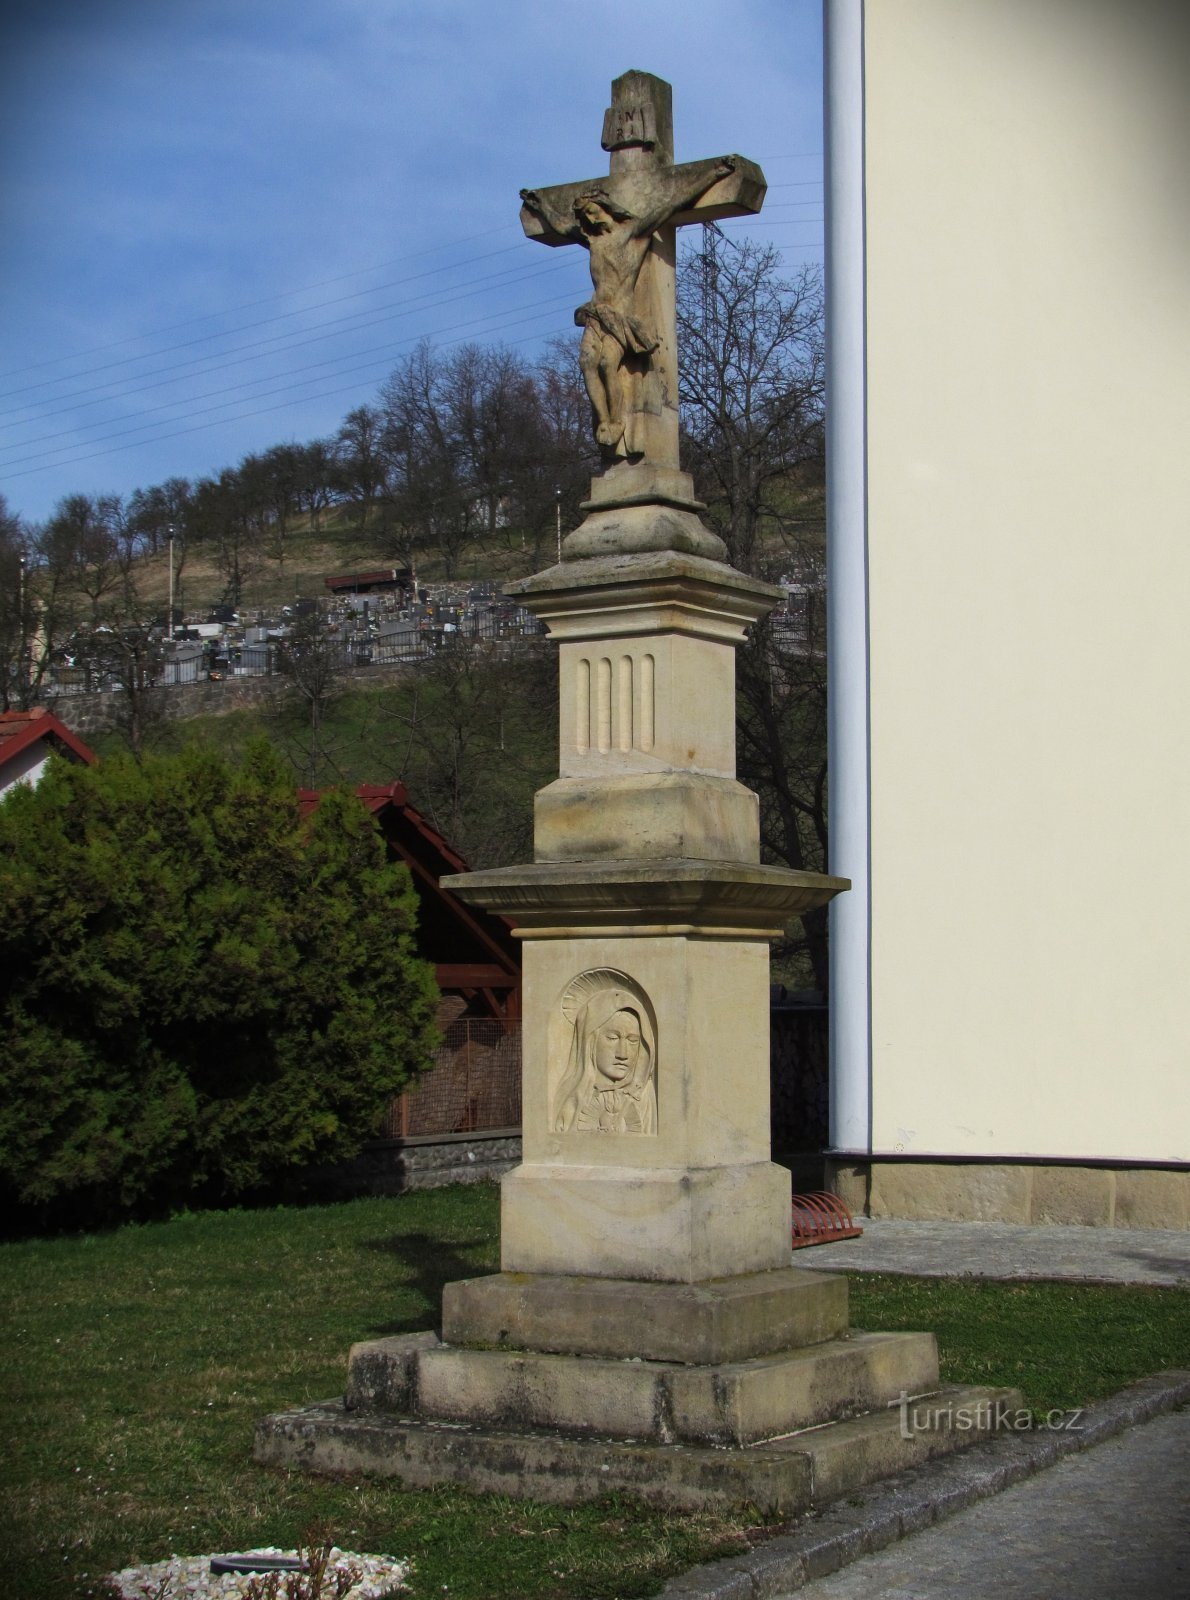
471, 733
310, 555
339, 544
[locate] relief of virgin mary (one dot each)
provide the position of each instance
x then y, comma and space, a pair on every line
608, 1084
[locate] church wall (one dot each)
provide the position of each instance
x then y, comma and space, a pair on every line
1027, 329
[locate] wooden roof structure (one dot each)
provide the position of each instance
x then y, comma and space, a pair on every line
475, 953
21, 730
383, 578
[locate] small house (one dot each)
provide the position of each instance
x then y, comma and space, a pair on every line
27, 741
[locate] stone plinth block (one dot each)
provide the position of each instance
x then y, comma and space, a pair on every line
624, 592
632, 483
677, 1225
724, 1320
542, 1466
695, 1090
646, 815
382, 1373
693, 1094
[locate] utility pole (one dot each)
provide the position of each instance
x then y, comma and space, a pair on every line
170, 623
558, 516
23, 634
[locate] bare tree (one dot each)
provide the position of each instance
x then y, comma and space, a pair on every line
361, 463
226, 517
469, 743
160, 519
553, 474
752, 394
121, 644
318, 479
311, 658
270, 494
432, 495
86, 540
17, 611
157, 512
753, 379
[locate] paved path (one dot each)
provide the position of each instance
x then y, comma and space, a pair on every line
1028, 1517
1005, 1250
1112, 1522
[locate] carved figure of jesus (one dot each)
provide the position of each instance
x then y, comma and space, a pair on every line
618, 338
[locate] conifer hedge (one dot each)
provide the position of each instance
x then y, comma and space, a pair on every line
200, 991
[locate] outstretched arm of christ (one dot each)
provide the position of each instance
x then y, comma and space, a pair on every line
678, 197
560, 222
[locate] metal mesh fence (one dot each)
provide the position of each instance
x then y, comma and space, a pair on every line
474, 1084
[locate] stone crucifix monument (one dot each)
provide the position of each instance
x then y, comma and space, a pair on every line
647, 1331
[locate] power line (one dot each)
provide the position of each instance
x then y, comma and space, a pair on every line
51, 466
402, 308
228, 332
249, 305
324, 283
287, 340
63, 403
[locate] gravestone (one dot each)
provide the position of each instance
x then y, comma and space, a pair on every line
647, 1331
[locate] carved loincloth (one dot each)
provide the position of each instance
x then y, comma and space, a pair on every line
630, 333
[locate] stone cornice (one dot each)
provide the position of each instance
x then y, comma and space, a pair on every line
638, 898
647, 592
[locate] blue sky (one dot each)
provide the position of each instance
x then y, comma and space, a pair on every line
225, 220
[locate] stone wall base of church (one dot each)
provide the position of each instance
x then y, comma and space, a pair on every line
1032, 1192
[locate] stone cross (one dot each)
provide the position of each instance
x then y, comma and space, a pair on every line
628, 222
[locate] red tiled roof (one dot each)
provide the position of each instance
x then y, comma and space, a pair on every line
376, 796
487, 954
20, 729
350, 580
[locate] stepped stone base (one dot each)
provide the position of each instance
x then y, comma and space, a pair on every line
562, 1388
732, 1403
782, 1476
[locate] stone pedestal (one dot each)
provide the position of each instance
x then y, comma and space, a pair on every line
646, 901
696, 1196
647, 1332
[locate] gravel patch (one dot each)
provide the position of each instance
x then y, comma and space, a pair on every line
191, 1578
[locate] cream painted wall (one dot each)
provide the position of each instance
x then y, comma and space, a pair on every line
1028, 374
27, 767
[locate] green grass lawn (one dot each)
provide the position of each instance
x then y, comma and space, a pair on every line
139, 1360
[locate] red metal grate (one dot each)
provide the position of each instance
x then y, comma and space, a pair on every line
820, 1219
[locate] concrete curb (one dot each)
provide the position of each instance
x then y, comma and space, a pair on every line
915, 1500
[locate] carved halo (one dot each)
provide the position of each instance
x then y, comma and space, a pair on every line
580, 989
